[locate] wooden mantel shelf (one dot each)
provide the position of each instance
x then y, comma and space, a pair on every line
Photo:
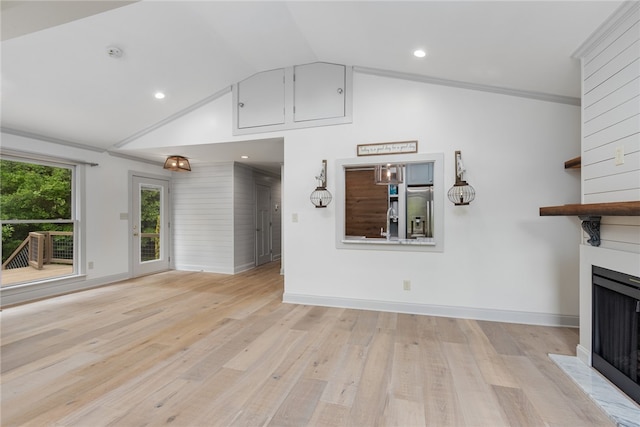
590, 214
593, 209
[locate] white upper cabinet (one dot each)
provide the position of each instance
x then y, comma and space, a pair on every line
319, 91
261, 99
316, 94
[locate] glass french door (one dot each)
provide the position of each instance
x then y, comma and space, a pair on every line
150, 225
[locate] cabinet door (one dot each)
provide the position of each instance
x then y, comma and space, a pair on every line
319, 91
261, 99
419, 174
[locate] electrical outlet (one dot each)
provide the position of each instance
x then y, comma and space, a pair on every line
619, 156
406, 285
294, 217
90, 265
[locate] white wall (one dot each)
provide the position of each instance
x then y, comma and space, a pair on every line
106, 198
501, 260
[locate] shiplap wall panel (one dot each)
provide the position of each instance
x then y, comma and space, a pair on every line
618, 195
605, 88
606, 153
611, 120
617, 40
202, 218
623, 233
621, 95
627, 57
608, 168
244, 218
610, 183
627, 109
627, 126
620, 233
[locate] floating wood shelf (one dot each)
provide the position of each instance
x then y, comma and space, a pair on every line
575, 163
593, 209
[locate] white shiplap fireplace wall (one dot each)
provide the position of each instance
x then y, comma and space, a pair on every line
610, 122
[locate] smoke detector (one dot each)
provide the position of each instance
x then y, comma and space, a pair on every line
114, 52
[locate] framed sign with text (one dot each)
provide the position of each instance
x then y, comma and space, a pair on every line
382, 148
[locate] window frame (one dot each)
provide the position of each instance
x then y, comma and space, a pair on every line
76, 211
437, 245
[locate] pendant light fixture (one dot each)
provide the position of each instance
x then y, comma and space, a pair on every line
321, 197
177, 164
461, 193
389, 174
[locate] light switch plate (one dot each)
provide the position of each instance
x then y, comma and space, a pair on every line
619, 156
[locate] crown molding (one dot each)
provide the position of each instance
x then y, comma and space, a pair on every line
612, 22
173, 117
65, 143
540, 96
58, 141
134, 158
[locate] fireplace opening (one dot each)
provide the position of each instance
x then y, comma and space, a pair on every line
616, 329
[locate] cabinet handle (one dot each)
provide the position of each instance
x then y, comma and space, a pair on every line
340, 90
241, 104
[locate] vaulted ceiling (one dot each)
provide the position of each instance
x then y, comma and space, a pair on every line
59, 82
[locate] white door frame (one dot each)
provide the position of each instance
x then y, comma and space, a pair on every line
263, 227
137, 268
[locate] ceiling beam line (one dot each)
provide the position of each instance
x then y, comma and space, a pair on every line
173, 117
541, 96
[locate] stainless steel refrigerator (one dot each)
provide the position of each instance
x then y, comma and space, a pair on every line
419, 211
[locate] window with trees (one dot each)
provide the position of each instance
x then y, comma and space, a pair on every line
37, 213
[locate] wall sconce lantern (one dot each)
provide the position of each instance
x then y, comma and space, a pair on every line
321, 197
388, 174
461, 193
177, 164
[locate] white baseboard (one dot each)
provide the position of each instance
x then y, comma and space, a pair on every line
26, 293
544, 319
205, 268
244, 267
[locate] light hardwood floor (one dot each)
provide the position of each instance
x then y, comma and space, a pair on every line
202, 349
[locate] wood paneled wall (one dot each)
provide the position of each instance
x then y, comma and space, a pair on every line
611, 115
611, 121
203, 218
365, 205
214, 217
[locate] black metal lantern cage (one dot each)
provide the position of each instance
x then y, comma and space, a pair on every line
461, 193
321, 197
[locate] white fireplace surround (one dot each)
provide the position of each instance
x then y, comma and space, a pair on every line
624, 262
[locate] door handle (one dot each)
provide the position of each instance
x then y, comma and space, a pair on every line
135, 234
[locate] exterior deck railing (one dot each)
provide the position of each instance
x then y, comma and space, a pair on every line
40, 248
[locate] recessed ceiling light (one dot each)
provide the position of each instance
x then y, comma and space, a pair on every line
159, 95
419, 53
244, 157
